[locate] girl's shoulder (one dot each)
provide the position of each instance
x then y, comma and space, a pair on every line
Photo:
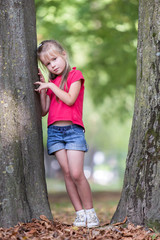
75, 70
75, 74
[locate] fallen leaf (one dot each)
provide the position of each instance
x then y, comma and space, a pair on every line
120, 223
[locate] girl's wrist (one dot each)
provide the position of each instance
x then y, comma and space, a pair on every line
50, 85
43, 91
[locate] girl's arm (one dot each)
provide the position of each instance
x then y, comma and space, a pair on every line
45, 102
68, 98
44, 98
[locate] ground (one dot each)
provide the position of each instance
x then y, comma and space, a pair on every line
61, 228
104, 202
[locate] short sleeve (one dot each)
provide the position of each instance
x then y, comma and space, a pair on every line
75, 76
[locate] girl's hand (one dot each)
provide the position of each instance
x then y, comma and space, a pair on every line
42, 86
41, 76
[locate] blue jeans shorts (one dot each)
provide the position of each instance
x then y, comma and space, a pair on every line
66, 137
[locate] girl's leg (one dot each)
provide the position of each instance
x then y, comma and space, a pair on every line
61, 156
75, 163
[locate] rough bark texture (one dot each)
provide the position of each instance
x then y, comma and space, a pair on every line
140, 199
23, 193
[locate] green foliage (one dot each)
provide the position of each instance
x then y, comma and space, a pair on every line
101, 37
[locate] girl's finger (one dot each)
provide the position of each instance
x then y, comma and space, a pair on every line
37, 83
39, 70
40, 74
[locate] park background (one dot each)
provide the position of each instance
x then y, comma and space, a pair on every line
101, 39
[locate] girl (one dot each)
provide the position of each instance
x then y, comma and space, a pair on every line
62, 98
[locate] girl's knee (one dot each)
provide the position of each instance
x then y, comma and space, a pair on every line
66, 174
77, 176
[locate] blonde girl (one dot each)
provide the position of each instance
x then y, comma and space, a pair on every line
62, 99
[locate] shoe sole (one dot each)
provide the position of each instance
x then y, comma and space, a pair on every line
84, 225
92, 226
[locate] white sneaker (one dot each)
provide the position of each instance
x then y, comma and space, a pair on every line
92, 219
80, 220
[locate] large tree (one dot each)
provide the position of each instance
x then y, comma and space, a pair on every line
140, 199
23, 193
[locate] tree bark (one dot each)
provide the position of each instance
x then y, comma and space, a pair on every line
140, 199
23, 194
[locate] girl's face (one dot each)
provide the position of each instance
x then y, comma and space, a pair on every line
54, 62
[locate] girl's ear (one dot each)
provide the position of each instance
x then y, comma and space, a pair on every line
64, 54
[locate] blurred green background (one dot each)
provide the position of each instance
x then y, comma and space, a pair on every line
101, 39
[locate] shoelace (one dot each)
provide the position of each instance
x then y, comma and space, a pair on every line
80, 218
92, 218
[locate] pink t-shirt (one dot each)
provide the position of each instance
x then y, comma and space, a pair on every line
58, 110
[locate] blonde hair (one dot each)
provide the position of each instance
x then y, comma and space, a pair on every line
48, 47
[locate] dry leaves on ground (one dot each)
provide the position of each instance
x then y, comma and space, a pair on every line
44, 229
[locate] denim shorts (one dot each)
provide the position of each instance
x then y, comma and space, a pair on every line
66, 137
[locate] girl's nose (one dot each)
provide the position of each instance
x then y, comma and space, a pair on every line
52, 64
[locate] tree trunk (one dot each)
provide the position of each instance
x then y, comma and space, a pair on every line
140, 199
23, 194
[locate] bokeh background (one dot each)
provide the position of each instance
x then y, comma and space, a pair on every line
101, 39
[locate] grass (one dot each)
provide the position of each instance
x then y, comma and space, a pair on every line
54, 185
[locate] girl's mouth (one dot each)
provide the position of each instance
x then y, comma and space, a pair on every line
56, 69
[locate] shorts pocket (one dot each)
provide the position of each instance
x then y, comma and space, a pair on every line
78, 130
